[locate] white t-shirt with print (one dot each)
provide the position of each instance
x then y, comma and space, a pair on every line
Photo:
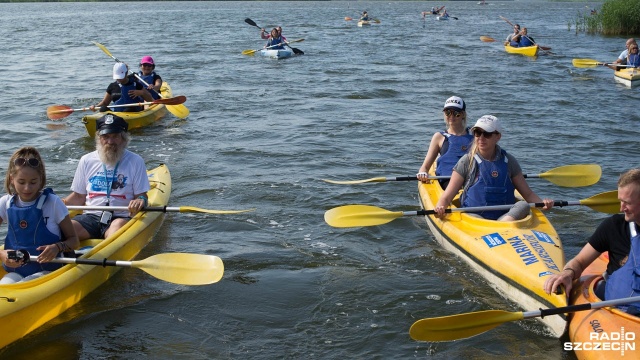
90, 180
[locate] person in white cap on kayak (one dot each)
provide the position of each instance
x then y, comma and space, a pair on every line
126, 89
488, 176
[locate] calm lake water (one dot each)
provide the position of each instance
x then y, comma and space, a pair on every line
361, 102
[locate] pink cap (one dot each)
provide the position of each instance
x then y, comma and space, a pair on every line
147, 60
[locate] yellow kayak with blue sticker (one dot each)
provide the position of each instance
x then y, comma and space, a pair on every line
515, 258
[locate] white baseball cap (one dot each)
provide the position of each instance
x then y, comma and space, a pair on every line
119, 71
488, 123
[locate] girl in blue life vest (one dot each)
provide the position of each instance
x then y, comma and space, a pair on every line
489, 176
275, 42
450, 145
525, 40
147, 74
38, 221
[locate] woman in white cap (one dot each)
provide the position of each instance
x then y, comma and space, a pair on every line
489, 176
124, 90
451, 144
147, 74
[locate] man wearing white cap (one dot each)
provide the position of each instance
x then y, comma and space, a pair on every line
489, 176
124, 90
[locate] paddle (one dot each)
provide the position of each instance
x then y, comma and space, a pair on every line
487, 39
454, 327
57, 112
179, 110
177, 268
545, 48
567, 176
182, 209
590, 63
251, 52
367, 215
252, 23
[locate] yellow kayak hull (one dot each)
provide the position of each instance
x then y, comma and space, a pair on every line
606, 322
136, 119
629, 77
26, 306
526, 51
514, 257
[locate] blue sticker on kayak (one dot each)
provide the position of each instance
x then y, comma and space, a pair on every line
493, 240
543, 237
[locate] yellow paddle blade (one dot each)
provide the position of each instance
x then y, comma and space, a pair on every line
454, 327
179, 111
376, 21
249, 52
103, 48
585, 63
349, 182
574, 175
487, 39
208, 211
359, 215
182, 268
606, 202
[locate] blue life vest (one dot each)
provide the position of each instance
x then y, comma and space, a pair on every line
453, 148
149, 79
494, 186
27, 229
276, 41
514, 43
633, 60
625, 282
125, 98
525, 41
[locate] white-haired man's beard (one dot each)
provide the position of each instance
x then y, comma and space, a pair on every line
110, 154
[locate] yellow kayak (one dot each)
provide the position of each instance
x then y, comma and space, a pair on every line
26, 306
135, 119
629, 77
514, 257
608, 324
526, 51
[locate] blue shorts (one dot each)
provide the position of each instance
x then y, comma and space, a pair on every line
91, 223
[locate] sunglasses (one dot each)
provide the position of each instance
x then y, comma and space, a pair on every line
33, 162
452, 112
478, 133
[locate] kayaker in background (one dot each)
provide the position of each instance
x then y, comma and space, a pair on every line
38, 220
524, 39
622, 59
275, 41
265, 36
124, 90
516, 31
364, 17
93, 182
148, 74
618, 234
450, 144
488, 176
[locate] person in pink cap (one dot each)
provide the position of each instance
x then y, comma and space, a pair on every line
448, 146
148, 74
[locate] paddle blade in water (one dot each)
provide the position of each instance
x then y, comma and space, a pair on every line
181, 268
448, 328
249, 52
487, 39
359, 215
57, 112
